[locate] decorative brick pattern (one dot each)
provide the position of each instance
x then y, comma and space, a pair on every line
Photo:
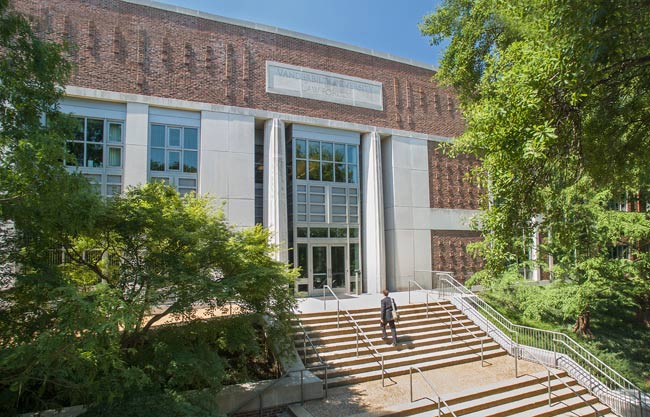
448, 187
448, 253
237, 50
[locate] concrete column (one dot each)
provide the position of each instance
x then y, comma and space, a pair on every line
373, 239
135, 144
275, 186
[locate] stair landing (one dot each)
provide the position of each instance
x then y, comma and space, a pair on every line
370, 397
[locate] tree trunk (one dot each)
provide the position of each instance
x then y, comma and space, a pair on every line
582, 326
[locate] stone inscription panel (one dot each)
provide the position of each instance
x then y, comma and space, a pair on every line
309, 83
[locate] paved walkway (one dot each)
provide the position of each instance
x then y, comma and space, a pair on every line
351, 302
371, 397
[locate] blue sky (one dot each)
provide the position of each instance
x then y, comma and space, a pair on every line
384, 25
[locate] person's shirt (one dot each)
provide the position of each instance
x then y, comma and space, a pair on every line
386, 309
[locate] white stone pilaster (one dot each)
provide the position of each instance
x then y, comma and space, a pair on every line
373, 238
136, 140
275, 186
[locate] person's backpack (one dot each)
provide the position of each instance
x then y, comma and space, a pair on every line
395, 313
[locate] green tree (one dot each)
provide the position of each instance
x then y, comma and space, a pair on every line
78, 331
85, 325
556, 97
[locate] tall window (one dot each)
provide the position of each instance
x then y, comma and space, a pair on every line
96, 150
96, 143
325, 161
174, 156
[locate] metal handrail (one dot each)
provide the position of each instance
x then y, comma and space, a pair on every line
370, 345
539, 361
451, 318
306, 339
579, 355
550, 337
549, 370
411, 368
338, 303
421, 289
545, 340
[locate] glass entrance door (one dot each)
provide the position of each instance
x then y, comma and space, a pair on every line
319, 266
338, 267
329, 266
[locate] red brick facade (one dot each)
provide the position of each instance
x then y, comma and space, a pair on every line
448, 187
448, 252
131, 48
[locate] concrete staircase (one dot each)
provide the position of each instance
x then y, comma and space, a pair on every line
526, 396
426, 342
433, 341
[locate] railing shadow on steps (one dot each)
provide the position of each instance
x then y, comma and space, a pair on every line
452, 318
379, 357
551, 348
439, 401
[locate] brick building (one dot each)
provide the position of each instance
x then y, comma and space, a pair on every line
331, 146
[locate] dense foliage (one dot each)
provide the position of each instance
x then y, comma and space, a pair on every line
556, 95
623, 345
84, 279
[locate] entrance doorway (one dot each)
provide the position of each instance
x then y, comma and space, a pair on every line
328, 266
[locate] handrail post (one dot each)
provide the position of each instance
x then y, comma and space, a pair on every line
517, 356
302, 391
382, 370
409, 292
451, 332
548, 379
411, 381
326, 383
438, 404
427, 304
338, 313
304, 346
324, 299
482, 358
357, 333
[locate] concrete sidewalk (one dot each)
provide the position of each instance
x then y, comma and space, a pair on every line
353, 302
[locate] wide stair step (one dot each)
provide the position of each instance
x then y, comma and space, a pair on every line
525, 396
432, 337
349, 349
429, 337
353, 375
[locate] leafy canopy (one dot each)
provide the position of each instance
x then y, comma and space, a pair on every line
84, 279
556, 97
